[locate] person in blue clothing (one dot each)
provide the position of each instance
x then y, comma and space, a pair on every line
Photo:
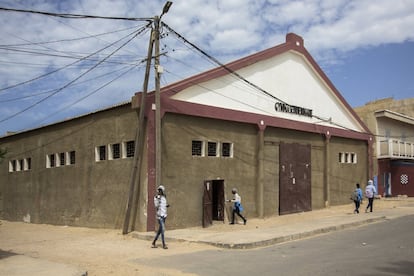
237, 208
370, 192
357, 198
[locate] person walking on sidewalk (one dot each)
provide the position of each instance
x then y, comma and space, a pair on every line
357, 198
370, 192
237, 207
161, 205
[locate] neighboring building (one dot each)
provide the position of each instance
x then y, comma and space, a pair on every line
392, 121
289, 143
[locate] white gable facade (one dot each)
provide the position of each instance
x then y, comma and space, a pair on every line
292, 142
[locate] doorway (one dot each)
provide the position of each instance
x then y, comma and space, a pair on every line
213, 201
294, 178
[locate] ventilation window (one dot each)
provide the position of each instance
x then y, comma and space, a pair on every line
227, 150
212, 149
197, 148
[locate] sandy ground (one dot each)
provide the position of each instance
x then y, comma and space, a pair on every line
108, 252
100, 252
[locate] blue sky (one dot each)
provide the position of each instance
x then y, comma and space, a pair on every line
365, 47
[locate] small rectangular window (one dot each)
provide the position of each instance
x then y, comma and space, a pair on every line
212, 149
226, 150
62, 159
130, 148
20, 165
12, 165
116, 151
102, 153
72, 157
28, 164
197, 148
52, 162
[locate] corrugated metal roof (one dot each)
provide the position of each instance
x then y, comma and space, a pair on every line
8, 134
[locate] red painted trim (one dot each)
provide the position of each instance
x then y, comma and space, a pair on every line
289, 45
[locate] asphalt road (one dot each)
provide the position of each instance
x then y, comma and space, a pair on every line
385, 248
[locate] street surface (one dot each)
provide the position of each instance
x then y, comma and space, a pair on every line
385, 248
381, 248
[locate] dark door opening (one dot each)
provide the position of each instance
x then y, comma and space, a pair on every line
213, 201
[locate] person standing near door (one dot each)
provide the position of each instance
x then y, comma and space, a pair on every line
161, 205
370, 192
237, 207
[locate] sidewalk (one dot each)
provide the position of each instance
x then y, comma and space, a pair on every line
278, 229
27, 250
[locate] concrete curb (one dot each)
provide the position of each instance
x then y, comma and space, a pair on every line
268, 242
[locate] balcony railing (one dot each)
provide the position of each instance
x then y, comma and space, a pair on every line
396, 149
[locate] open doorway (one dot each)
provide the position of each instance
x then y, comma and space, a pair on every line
213, 201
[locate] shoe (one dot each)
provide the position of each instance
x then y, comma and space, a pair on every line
231, 223
153, 245
164, 247
245, 221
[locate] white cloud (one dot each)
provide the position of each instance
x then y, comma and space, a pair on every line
225, 29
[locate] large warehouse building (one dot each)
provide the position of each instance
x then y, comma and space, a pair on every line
271, 124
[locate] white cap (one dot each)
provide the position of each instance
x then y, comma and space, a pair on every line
162, 188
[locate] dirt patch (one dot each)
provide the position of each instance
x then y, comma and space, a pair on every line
100, 252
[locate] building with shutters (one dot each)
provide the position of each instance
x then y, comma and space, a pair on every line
392, 121
270, 124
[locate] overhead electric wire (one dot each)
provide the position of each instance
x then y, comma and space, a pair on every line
77, 16
88, 95
80, 76
73, 63
66, 40
250, 83
49, 54
221, 64
78, 83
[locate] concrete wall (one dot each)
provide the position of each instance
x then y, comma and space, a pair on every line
87, 193
344, 176
93, 193
184, 175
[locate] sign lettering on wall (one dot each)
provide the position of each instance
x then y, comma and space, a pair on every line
287, 108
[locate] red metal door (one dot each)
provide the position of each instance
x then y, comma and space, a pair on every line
208, 204
294, 178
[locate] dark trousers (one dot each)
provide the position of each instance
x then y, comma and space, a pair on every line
236, 211
370, 204
357, 204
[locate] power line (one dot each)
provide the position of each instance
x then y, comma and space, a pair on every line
89, 94
221, 64
65, 40
250, 83
77, 16
73, 63
80, 76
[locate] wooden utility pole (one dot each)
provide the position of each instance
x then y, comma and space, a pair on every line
158, 71
139, 136
139, 146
